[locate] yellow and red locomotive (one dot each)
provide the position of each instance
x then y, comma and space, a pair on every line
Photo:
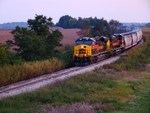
90, 50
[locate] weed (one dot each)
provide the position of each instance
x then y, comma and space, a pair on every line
14, 73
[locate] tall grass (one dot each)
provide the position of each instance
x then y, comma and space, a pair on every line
13, 73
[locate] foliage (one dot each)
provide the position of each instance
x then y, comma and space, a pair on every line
114, 26
65, 56
67, 22
40, 25
3, 54
90, 26
36, 42
101, 28
8, 57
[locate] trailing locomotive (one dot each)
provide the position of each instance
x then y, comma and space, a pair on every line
90, 50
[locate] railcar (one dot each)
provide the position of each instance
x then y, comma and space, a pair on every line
89, 50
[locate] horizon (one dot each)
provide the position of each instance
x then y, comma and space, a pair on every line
125, 11
76, 18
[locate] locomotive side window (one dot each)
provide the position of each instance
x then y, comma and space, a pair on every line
78, 42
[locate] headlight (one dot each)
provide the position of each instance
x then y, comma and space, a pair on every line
82, 47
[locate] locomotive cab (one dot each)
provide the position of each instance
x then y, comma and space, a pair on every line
117, 41
83, 51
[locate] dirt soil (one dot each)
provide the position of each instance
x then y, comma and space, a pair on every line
69, 35
5, 35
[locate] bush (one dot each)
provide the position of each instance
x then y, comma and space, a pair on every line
66, 56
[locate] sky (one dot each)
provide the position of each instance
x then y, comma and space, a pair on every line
121, 10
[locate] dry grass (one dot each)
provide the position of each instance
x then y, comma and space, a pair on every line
146, 32
146, 29
13, 73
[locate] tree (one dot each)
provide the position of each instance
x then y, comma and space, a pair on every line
85, 27
40, 25
67, 22
37, 41
101, 27
53, 41
114, 26
90, 26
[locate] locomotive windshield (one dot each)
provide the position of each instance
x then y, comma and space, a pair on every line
87, 42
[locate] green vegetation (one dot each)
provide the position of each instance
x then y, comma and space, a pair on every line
105, 89
134, 58
98, 87
36, 52
14, 69
90, 26
3, 54
7, 57
65, 56
36, 42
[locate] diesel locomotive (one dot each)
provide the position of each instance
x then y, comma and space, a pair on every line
89, 50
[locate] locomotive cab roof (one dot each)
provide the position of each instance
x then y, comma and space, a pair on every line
87, 41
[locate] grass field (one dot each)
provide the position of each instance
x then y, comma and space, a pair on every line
110, 89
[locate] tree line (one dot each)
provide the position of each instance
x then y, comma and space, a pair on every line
90, 26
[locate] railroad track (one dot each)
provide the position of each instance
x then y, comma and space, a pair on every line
36, 83
44, 80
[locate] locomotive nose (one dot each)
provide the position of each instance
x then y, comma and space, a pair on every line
82, 52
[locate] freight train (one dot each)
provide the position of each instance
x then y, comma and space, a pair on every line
89, 50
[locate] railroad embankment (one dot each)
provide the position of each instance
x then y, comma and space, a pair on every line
10, 74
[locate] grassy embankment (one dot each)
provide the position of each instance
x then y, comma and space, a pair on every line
26, 70
123, 87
